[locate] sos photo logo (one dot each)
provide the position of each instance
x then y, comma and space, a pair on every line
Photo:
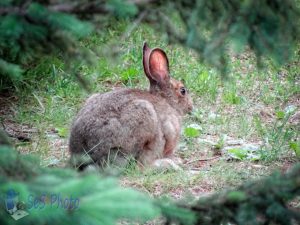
19, 208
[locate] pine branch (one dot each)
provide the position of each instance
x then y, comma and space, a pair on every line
264, 201
76, 7
269, 28
4, 140
96, 200
91, 7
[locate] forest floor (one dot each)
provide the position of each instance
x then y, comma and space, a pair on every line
243, 127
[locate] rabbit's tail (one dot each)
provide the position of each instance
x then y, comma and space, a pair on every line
81, 162
113, 159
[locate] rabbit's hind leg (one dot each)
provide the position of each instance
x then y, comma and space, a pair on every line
144, 136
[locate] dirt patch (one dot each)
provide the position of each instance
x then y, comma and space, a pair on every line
18, 132
27, 138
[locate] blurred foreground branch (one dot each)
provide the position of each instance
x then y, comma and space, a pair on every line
264, 201
31, 29
102, 201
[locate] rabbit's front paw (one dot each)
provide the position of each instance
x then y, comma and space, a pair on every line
166, 163
177, 160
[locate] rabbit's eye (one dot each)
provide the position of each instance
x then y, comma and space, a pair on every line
183, 90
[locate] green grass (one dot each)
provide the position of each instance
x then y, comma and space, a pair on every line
177, 183
50, 97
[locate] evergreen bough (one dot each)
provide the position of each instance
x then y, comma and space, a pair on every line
268, 28
31, 29
264, 201
103, 201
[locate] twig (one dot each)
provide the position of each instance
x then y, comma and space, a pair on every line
89, 8
201, 160
12, 10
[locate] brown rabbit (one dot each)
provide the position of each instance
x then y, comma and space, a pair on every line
133, 123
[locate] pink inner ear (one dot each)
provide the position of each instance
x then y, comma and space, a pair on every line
159, 65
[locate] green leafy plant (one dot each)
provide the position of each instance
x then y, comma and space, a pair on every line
238, 153
279, 114
62, 131
295, 146
192, 132
243, 154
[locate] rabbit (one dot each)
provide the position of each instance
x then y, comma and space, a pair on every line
140, 124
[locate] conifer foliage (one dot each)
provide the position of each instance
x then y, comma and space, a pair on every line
30, 29
263, 201
62, 196
268, 28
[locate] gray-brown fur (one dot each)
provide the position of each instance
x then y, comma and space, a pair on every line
135, 123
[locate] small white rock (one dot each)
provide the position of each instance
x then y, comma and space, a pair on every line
290, 109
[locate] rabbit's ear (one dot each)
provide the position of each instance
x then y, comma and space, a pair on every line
159, 66
146, 54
